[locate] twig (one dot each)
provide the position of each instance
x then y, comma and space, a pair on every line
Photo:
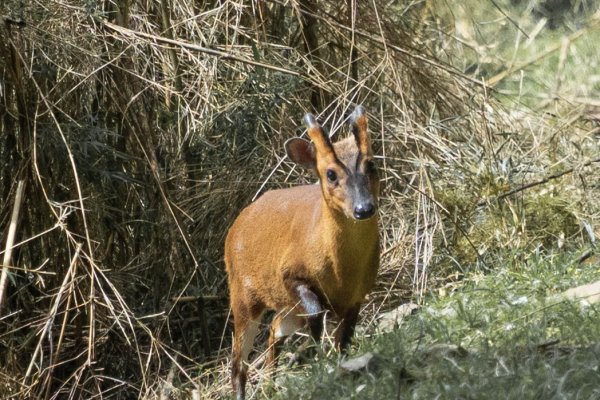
187, 299
9, 243
512, 21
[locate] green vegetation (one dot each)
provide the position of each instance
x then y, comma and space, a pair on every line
495, 336
538, 54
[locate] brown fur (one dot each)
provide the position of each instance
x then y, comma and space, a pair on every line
299, 249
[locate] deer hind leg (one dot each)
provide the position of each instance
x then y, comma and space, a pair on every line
246, 327
283, 325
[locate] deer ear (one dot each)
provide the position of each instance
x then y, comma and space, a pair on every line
302, 152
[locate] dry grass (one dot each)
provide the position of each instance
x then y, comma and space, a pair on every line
141, 130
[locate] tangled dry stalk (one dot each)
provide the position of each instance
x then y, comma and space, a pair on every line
141, 128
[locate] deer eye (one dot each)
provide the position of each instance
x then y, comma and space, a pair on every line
331, 176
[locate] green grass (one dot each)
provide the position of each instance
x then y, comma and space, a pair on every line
552, 79
492, 337
509, 37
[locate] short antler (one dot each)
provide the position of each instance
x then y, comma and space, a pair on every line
310, 121
358, 122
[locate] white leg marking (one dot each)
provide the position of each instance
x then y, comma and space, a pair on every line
289, 323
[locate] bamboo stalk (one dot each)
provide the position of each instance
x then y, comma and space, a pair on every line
9, 243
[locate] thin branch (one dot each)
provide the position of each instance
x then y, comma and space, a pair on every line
510, 19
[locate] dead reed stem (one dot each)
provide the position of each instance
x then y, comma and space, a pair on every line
9, 243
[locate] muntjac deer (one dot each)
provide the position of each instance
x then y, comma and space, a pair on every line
306, 250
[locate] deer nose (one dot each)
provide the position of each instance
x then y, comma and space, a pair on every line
364, 210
